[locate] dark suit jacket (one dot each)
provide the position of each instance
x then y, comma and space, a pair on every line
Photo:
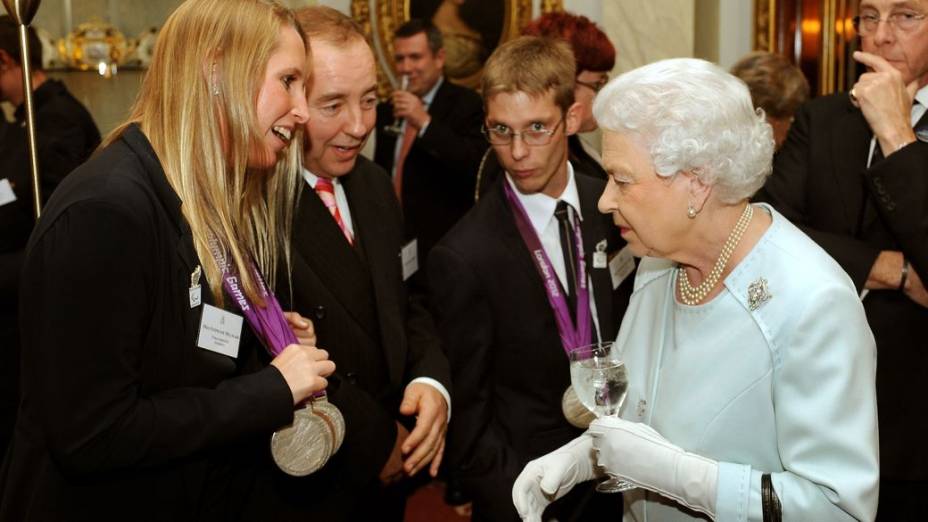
379, 338
439, 172
508, 366
821, 183
122, 415
65, 138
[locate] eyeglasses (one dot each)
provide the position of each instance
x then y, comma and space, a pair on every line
503, 135
597, 85
905, 21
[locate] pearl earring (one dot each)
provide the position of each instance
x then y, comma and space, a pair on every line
691, 211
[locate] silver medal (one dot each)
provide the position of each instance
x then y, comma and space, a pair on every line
575, 412
305, 446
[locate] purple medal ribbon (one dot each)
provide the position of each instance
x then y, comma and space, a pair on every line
574, 332
268, 323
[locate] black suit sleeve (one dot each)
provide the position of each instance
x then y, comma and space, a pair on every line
88, 290
900, 184
425, 356
787, 191
477, 452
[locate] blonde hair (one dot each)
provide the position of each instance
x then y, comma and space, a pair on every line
534, 65
197, 108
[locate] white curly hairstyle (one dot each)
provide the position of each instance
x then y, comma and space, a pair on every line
693, 117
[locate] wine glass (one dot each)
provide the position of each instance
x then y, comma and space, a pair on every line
598, 375
396, 128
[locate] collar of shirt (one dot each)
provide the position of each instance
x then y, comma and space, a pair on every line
341, 199
921, 96
540, 207
429, 96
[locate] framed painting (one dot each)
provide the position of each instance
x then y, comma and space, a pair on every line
472, 29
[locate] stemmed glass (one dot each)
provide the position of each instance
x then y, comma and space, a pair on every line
396, 128
598, 375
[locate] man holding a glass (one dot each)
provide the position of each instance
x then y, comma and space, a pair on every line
530, 273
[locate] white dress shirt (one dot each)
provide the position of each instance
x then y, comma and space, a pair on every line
540, 210
341, 201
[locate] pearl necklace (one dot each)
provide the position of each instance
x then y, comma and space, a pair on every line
691, 295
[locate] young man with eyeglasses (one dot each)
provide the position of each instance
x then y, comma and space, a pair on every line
523, 276
854, 174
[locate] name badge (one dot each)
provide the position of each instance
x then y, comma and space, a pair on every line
621, 266
410, 258
220, 331
599, 256
6, 192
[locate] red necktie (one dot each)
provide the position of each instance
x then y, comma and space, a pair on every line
326, 193
409, 136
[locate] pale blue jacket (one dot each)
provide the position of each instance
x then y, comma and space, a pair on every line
787, 388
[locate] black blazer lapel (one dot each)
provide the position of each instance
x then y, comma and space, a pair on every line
593, 234
442, 103
372, 219
319, 242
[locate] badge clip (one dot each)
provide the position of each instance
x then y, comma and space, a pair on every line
599, 256
195, 291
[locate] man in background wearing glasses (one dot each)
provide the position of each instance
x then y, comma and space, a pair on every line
511, 290
854, 174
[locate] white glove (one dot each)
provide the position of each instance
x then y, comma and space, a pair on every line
550, 477
638, 454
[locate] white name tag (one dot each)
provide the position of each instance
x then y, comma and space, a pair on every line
220, 331
410, 258
621, 266
6, 192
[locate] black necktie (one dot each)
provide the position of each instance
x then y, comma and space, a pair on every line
569, 250
921, 127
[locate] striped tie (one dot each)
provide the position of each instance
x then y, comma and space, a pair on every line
326, 193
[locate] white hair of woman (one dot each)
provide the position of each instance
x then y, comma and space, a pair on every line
692, 116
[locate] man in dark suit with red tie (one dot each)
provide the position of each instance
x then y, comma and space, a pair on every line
434, 155
348, 271
504, 330
853, 174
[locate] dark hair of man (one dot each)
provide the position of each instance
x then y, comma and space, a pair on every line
592, 48
416, 26
9, 42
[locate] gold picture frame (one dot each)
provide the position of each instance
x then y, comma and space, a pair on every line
818, 36
380, 18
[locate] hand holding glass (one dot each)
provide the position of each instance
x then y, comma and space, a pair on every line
598, 375
396, 128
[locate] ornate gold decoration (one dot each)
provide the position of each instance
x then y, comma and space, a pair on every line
764, 25
551, 6
95, 45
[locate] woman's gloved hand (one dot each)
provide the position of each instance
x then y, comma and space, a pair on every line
636, 453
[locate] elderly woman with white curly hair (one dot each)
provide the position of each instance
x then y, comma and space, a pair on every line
751, 366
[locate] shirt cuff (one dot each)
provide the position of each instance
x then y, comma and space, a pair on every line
438, 386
